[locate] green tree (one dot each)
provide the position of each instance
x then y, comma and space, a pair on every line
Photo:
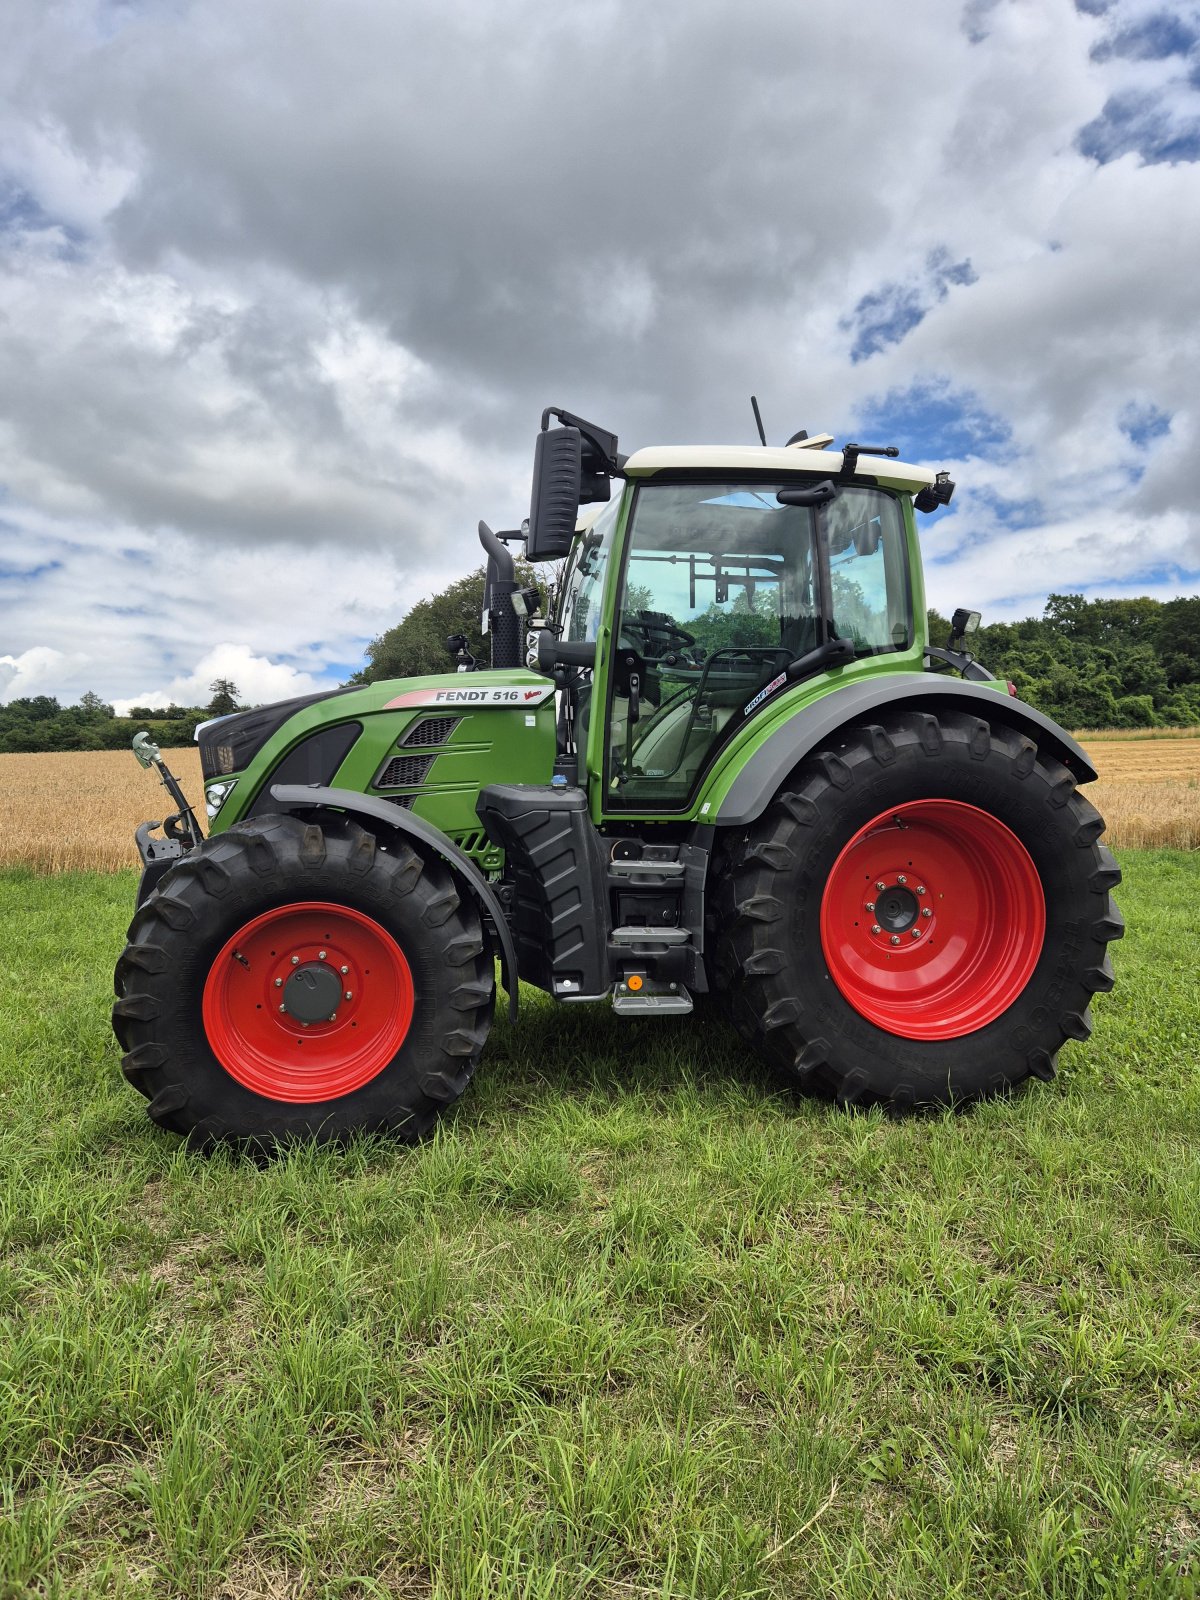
94, 708
1177, 640
224, 698
417, 645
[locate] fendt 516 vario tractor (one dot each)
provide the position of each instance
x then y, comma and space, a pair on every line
728, 763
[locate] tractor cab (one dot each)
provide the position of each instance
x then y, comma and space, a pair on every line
715, 579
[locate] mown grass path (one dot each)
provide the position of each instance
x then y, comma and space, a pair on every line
635, 1323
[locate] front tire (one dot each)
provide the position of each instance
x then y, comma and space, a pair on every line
289, 980
950, 826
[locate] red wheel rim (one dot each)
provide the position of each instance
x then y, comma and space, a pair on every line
932, 920
308, 1002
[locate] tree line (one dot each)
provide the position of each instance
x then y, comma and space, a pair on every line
1086, 663
1099, 663
38, 722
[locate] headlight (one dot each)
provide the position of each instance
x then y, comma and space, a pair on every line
216, 795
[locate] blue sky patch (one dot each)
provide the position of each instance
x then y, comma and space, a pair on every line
1139, 122
21, 212
884, 316
28, 574
1144, 423
1154, 38
339, 671
932, 421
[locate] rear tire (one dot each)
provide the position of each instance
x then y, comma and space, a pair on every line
289, 980
1012, 927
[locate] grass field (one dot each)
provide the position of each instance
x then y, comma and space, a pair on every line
74, 812
635, 1323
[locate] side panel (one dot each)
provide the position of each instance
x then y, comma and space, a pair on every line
490, 728
738, 794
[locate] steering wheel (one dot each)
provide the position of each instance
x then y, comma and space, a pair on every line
654, 624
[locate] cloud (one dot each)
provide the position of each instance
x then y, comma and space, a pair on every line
258, 679
280, 306
34, 671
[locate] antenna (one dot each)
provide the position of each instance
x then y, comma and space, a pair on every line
758, 419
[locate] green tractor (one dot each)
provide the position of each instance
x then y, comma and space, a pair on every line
727, 767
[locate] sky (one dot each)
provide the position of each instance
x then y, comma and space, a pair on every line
285, 288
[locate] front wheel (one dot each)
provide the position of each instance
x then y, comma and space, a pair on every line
921, 917
291, 980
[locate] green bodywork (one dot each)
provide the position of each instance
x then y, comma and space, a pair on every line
490, 744
516, 745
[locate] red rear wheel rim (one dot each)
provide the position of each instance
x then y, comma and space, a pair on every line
933, 919
308, 1002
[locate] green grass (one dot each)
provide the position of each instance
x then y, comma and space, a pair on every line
635, 1323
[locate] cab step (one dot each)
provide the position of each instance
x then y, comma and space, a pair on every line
678, 1004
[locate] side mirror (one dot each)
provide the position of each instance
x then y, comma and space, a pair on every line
557, 484
553, 652
866, 537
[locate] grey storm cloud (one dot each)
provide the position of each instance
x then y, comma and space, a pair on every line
283, 290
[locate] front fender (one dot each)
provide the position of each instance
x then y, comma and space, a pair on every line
293, 797
814, 724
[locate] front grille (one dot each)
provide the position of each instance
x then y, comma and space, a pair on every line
430, 730
404, 772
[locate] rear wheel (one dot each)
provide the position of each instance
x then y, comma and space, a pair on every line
289, 980
921, 917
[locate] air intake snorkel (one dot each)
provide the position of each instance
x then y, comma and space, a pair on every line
499, 588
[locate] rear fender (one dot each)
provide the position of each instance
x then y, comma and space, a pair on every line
297, 797
815, 724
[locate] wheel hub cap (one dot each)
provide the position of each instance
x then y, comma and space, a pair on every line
933, 919
896, 909
312, 993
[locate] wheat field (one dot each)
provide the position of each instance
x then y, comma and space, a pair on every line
77, 811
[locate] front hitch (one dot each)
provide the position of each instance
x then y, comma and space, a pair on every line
181, 830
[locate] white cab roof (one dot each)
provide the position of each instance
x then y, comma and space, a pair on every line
738, 458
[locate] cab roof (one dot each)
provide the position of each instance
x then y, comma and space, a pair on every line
800, 457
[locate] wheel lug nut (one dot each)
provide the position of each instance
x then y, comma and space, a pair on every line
349, 994
895, 938
926, 911
920, 888
880, 885
333, 1016
900, 878
876, 928
320, 955
916, 933
283, 1008
344, 971
295, 961
870, 905
279, 983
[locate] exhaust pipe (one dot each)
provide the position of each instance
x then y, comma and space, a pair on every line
504, 626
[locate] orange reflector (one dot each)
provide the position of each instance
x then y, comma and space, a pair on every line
635, 983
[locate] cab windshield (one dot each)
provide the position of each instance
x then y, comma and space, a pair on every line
723, 589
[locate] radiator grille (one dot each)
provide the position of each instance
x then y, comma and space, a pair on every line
404, 772
430, 730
